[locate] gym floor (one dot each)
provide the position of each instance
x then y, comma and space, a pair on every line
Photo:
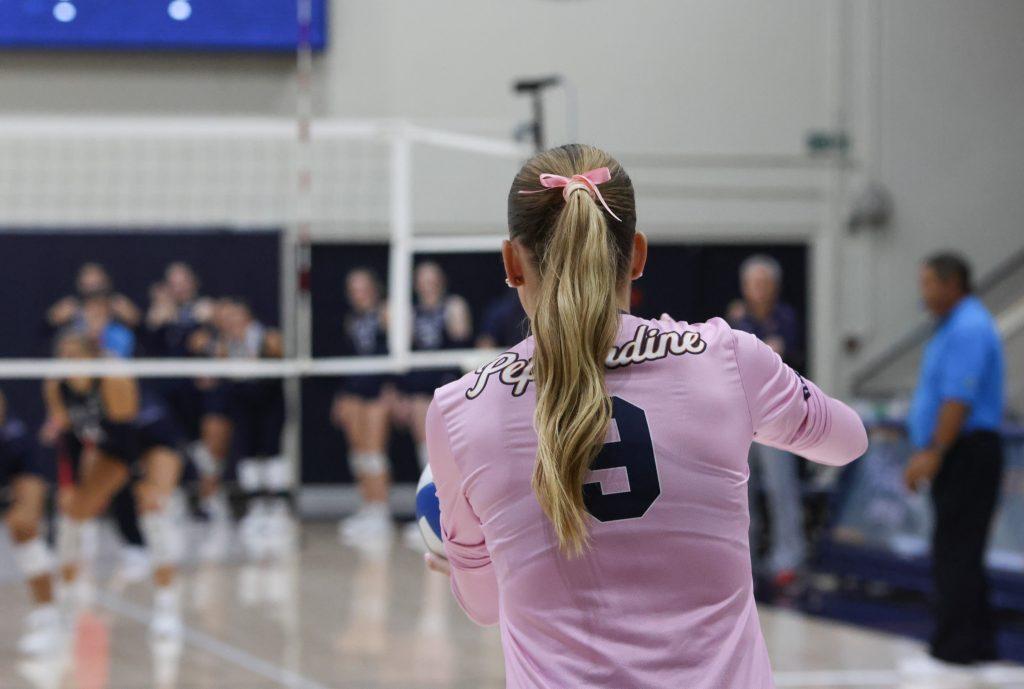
334, 617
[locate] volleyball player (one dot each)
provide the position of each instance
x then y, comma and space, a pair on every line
108, 431
362, 409
179, 323
592, 479
440, 321
257, 414
26, 472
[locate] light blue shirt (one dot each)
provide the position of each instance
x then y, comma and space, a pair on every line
963, 361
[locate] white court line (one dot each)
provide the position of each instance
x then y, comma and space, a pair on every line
214, 646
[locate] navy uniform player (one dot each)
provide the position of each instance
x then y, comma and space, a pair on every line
26, 472
108, 430
440, 321
362, 409
256, 409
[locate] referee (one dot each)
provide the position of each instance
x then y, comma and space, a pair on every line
953, 424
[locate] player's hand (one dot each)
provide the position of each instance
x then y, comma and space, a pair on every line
49, 432
922, 468
437, 564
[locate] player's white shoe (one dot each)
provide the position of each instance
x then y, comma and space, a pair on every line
166, 622
134, 565
932, 671
42, 631
370, 526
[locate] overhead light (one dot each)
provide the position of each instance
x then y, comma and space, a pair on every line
64, 12
179, 10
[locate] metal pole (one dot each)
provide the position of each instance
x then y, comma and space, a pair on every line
296, 247
400, 260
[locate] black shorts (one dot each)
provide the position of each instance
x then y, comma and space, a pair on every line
366, 387
424, 382
188, 402
155, 427
257, 414
40, 462
127, 443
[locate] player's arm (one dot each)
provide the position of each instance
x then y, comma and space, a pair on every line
793, 414
474, 583
121, 399
57, 420
458, 320
273, 344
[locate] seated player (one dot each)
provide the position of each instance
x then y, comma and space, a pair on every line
256, 409
362, 408
107, 431
593, 479
26, 472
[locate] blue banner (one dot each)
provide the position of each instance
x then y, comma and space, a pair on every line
263, 25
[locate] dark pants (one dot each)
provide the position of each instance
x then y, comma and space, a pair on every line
964, 495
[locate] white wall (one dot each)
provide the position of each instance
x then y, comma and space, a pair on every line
932, 91
950, 147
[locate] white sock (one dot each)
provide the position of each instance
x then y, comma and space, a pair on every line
167, 597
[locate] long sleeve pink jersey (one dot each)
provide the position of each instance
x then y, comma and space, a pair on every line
663, 597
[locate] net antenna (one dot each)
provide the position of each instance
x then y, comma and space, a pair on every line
535, 88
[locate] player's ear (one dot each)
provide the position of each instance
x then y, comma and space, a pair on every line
513, 264
639, 256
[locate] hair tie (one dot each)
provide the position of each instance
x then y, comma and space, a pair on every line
587, 180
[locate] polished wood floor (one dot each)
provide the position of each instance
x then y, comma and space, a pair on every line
333, 617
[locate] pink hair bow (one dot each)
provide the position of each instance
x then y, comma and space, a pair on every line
588, 181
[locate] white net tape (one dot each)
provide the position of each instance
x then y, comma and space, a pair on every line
465, 359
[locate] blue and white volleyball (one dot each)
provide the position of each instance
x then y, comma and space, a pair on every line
428, 513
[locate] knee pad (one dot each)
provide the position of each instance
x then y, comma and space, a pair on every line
33, 558
163, 536
277, 475
368, 463
206, 463
250, 475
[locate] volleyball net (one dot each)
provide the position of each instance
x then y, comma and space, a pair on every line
420, 191
268, 211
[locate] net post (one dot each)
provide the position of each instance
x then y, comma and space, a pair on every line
400, 257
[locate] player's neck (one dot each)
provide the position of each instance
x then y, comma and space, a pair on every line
624, 297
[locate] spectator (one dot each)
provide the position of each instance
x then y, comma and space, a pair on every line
953, 423
97, 323
776, 325
176, 311
92, 280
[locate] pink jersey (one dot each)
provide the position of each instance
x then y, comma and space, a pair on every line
664, 595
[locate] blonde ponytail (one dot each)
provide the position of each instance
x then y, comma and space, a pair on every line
574, 326
582, 251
